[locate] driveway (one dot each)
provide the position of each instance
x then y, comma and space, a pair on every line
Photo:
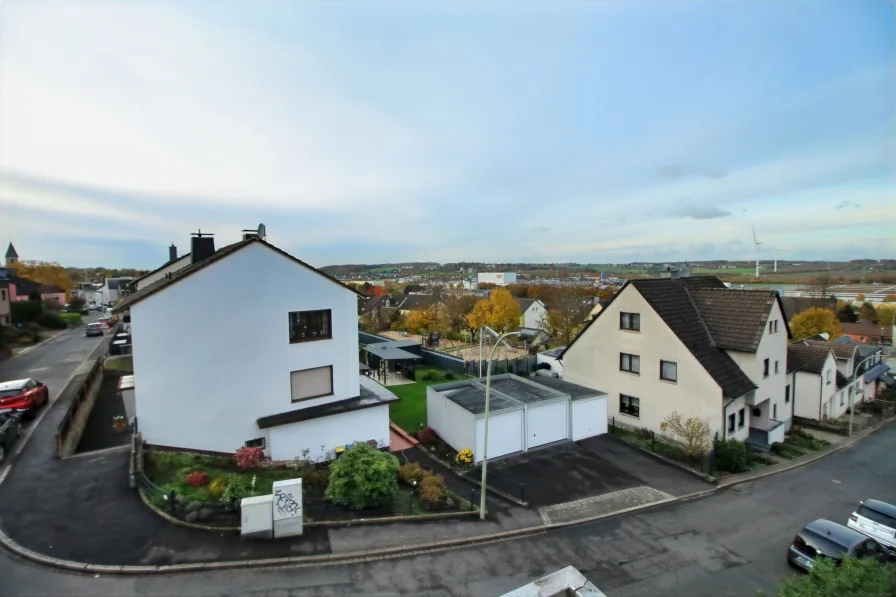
588, 468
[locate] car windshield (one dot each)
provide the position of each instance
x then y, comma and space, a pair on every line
93, 325
878, 517
9, 393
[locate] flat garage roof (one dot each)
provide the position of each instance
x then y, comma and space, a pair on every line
388, 352
527, 393
574, 391
472, 399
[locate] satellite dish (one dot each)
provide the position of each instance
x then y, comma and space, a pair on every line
261, 231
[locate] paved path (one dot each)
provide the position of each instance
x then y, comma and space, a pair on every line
729, 544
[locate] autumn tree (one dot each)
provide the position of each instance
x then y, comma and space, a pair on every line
425, 321
377, 291
567, 316
76, 303
815, 320
890, 298
397, 321
499, 312
435, 287
692, 432
44, 272
867, 312
860, 297
885, 314
605, 294
457, 309
846, 313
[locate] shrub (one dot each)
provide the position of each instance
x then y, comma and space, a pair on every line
731, 456
316, 477
50, 321
432, 489
800, 432
427, 435
363, 477
429, 375
644, 433
218, 487
248, 458
25, 311
450, 375
71, 319
51, 304
236, 490
692, 432
76, 303
197, 479
410, 472
464, 457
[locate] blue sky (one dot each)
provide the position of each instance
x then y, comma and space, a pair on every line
360, 132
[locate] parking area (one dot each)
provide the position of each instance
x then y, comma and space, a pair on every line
588, 468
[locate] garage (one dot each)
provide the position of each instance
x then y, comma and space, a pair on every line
588, 415
523, 413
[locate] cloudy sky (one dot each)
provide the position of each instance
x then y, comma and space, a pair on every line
362, 131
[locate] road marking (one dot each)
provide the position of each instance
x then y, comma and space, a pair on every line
36, 369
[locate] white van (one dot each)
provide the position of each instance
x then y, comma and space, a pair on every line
877, 520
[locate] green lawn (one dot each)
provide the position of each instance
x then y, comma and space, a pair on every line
409, 413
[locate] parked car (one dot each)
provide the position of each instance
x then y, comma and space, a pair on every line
93, 329
827, 539
23, 395
10, 427
876, 519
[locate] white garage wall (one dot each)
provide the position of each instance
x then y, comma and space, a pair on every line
546, 423
505, 435
454, 424
322, 436
589, 418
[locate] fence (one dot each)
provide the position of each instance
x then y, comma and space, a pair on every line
520, 365
444, 361
664, 446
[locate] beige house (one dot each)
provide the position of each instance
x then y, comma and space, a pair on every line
692, 346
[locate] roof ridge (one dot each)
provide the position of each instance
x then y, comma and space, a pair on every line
712, 341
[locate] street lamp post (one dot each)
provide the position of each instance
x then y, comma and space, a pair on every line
852, 394
488, 388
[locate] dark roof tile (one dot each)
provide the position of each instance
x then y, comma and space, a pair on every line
812, 354
735, 318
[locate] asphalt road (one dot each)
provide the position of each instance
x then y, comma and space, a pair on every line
731, 543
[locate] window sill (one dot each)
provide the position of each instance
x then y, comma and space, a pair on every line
629, 331
638, 417
315, 339
638, 373
671, 381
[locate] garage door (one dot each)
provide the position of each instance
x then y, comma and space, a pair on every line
547, 423
505, 435
589, 418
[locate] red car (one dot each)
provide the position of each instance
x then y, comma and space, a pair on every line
23, 395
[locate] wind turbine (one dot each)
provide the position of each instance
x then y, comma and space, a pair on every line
757, 243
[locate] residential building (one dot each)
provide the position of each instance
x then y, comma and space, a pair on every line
689, 345
21, 289
5, 315
866, 332
215, 372
496, 278
797, 304
11, 256
112, 289
533, 313
173, 264
814, 384
417, 302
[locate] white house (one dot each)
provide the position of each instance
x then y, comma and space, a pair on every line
111, 289
215, 371
533, 313
496, 278
815, 379
692, 346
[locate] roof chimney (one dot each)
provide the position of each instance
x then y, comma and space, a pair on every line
172, 252
202, 246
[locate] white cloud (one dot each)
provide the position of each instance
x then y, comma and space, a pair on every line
138, 97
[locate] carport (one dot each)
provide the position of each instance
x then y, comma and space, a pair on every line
392, 359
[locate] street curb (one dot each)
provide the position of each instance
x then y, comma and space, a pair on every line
803, 460
44, 341
669, 461
391, 552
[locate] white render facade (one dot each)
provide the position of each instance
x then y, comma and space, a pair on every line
649, 372
214, 370
155, 276
815, 392
535, 316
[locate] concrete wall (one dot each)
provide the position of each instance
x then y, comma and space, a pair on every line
593, 361
322, 436
209, 362
454, 424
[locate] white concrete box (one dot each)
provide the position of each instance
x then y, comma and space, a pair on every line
257, 517
287, 508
